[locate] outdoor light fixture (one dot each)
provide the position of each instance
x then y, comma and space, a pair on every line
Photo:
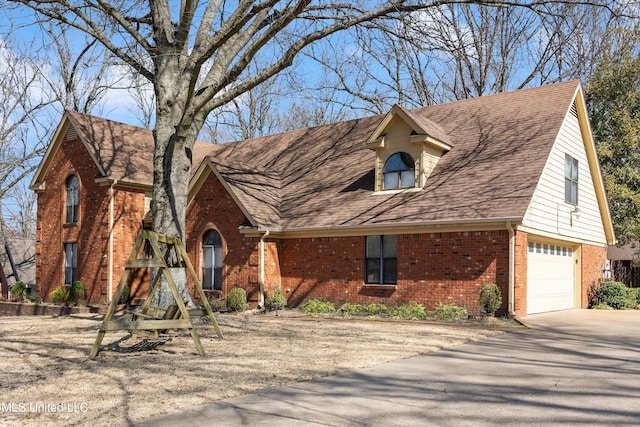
575, 214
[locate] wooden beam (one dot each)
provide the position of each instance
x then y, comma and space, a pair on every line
127, 325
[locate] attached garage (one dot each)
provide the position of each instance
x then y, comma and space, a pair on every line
550, 277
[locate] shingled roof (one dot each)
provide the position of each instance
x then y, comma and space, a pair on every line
323, 177
120, 151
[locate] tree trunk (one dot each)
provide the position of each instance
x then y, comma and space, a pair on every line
174, 140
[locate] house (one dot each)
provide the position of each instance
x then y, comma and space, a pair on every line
624, 264
423, 205
17, 263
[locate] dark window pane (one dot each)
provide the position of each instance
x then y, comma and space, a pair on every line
373, 270
72, 199
207, 278
390, 270
217, 279
70, 263
390, 246
373, 246
212, 260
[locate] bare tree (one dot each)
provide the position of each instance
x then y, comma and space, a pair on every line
20, 215
21, 129
459, 51
78, 71
200, 56
252, 114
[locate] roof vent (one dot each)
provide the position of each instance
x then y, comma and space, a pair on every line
71, 134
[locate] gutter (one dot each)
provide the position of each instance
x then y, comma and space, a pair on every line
262, 274
383, 228
512, 251
111, 227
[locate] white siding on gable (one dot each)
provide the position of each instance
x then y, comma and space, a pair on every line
548, 214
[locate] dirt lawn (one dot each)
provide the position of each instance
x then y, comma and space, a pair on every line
47, 379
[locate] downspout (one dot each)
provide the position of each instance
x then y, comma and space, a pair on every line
261, 280
111, 227
512, 268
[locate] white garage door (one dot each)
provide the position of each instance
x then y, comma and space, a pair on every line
550, 283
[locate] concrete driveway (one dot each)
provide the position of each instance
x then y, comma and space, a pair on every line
577, 367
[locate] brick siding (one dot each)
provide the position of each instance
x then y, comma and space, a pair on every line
214, 209
593, 258
432, 268
90, 233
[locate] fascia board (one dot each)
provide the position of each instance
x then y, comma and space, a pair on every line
594, 164
37, 183
482, 224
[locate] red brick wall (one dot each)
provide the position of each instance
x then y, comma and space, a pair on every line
272, 273
520, 274
214, 208
432, 268
91, 232
128, 215
593, 258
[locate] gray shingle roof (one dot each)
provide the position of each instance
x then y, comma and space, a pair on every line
323, 177
121, 151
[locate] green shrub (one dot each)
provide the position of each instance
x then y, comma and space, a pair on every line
633, 294
450, 312
318, 306
237, 299
18, 291
410, 311
614, 294
216, 304
76, 293
277, 301
490, 298
364, 310
602, 306
59, 295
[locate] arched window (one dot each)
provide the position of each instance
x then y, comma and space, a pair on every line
399, 172
212, 261
72, 199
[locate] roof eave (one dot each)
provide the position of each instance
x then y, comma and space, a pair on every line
475, 224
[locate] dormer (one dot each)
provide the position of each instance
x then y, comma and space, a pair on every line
407, 148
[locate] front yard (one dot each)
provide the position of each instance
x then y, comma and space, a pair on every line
47, 379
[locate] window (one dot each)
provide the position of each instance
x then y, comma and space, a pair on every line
212, 261
70, 263
570, 180
399, 172
382, 259
72, 199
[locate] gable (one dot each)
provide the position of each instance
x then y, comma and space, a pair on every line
402, 131
548, 213
120, 152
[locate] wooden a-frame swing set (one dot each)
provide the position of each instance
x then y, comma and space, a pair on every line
145, 321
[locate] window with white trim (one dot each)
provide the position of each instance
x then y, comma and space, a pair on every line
70, 263
570, 180
212, 261
72, 199
399, 172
